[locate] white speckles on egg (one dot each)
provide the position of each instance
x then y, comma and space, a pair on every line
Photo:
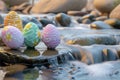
31, 34
12, 37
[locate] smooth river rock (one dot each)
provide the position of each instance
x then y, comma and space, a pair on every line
115, 13
105, 6
113, 22
100, 25
91, 39
56, 6
63, 19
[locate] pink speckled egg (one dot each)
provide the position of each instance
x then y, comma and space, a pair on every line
12, 37
51, 36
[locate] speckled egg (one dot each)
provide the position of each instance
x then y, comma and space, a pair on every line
31, 34
51, 36
12, 37
13, 19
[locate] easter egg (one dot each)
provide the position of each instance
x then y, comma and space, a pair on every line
31, 34
51, 36
12, 37
13, 19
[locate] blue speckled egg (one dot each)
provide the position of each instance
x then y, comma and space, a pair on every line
12, 37
31, 34
51, 36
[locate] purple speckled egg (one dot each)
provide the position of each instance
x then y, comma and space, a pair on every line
12, 37
51, 36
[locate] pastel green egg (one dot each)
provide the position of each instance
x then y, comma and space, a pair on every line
31, 34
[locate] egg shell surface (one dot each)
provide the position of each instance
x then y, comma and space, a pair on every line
31, 34
13, 19
12, 37
51, 36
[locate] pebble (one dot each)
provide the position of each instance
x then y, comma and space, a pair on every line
26, 20
1, 20
46, 21
100, 25
95, 13
86, 21
101, 18
63, 19
76, 13
36, 22
89, 16
79, 20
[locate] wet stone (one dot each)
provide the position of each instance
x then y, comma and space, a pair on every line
86, 21
89, 16
45, 21
95, 13
113, 22
100, 25
1, 20
76, 13
36, 22
110, 55
92, 39
101, 18
26, 20
63, 19
79, 20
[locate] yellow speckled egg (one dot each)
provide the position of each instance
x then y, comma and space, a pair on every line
13, 19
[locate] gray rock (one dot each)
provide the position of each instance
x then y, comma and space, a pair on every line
46, 21
86, 21
91, 39
25, 20
110, 55
79, 20
36, 22
100, 25
1, 20
63, 19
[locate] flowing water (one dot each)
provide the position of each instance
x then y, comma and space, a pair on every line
62, 54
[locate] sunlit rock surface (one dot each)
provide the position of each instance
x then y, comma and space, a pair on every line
59, 6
